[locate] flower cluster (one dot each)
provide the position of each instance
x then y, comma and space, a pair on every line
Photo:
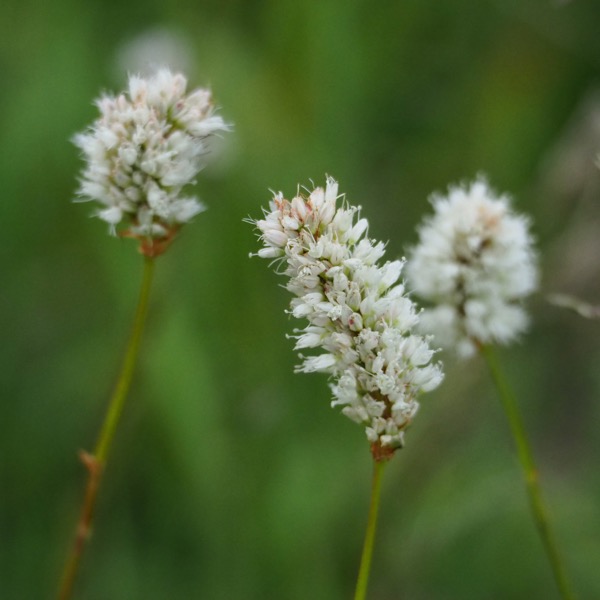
474, 263
145, 147
357, 313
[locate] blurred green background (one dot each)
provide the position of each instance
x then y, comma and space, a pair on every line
231, 477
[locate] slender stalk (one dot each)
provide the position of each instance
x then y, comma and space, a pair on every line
530, 472
367, 552
96, 462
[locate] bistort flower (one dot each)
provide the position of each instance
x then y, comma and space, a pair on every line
474, 263
357, 313
145, 147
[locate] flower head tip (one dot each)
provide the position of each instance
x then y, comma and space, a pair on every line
145, 147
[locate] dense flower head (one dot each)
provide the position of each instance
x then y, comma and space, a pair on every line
356, 309
145, 147
475, 263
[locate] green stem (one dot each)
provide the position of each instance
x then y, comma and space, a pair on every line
367, 553
530, 472
96, 462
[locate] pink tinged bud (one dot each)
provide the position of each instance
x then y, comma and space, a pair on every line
355, 322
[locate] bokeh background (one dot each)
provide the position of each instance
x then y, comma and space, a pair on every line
231, 477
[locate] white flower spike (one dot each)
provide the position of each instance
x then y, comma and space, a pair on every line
474, 263
145, 147
357, 313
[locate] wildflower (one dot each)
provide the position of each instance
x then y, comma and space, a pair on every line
474, 263
144, 149
357, 313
